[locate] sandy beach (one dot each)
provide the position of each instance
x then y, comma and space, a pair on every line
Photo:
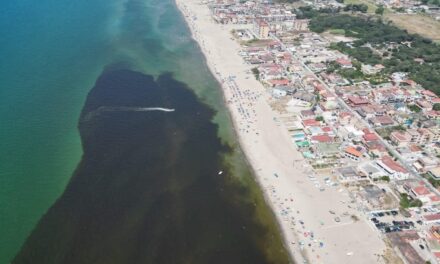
309, 229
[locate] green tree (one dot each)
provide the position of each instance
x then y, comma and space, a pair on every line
436, 107
256, 73
414, 108
380, 9
405, 202
385, 178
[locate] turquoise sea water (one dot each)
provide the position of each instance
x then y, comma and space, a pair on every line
51, 53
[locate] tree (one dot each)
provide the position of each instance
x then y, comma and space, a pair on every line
319, 118
376, 32
405, 202
436, 107
380, 9
256, 73
414, 108
385, 178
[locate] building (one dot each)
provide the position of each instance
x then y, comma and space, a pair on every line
349, 174
261, 29
352, 153
400, 138
344, 63
370, 170
432, 218
418, 190
426, 136
370, 70
435, 173
301, 24
381, 121
357, 101
392, 168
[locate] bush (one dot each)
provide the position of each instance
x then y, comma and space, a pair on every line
405, 202
256, 73
380, 9
385, 178
414, 108
363, 8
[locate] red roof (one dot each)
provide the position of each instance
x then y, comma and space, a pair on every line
318, 86
279, 82
383, 120
432, 217
390, 163
414, 148
344, 114
421, 190
344, 62
434, 198
353, 151
400, 136
432, 113
357, 100
429, 93
327, 95
311, 122
370, 137
327, 129
322, 138
376, 145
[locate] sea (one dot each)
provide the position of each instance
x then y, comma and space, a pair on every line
87, 174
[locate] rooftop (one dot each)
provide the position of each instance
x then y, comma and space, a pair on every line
353, 151
390, 163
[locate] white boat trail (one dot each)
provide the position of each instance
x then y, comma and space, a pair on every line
137, 109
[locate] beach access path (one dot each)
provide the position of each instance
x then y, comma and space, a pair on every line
302, 210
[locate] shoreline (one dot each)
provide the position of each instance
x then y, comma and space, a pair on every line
300, 209
295, 256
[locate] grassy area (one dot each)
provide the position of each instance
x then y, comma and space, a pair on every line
371, 6
337, 31
416, 23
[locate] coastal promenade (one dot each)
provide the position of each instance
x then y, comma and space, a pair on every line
303, 211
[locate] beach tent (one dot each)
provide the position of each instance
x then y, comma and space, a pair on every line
302, 144
308, 155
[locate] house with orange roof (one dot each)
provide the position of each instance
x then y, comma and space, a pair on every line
352, 153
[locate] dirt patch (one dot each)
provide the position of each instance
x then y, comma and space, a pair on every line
420, 24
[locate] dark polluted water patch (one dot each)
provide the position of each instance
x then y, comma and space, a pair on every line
147, 189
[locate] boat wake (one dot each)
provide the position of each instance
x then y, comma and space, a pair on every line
102, 109
136, 109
